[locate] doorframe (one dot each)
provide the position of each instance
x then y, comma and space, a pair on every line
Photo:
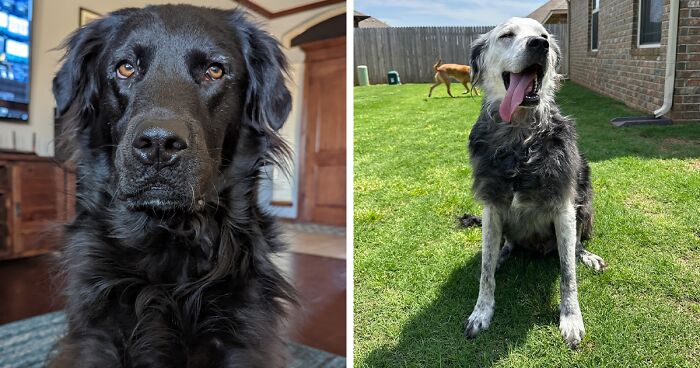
295, 84
294, 54
304, 123
312, 21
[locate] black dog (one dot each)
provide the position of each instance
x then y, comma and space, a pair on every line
174, 112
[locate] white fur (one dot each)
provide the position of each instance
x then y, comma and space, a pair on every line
591, 260
507, 55
571, 329
570, 318
492, 234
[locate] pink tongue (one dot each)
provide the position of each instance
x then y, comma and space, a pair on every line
519, 82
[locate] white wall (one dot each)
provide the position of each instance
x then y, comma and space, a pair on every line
54, 20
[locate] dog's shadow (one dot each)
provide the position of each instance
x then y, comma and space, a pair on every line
435, 336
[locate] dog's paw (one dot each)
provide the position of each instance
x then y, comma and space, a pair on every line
571, 328
479, 320
593, 261
504, 255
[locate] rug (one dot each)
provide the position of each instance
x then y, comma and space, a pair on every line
314, 228
26, 343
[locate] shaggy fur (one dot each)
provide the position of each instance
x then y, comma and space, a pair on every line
528, 172
169, 264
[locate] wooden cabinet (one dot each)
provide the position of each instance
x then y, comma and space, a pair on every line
37, 196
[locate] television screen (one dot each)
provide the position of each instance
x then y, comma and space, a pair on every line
15, 32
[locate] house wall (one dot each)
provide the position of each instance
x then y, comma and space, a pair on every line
621, 70
686, 100
557, 19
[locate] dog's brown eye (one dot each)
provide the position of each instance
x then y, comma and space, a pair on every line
544, 36
214, 72
507, 35
125, 70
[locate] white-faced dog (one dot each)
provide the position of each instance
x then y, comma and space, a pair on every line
528, 171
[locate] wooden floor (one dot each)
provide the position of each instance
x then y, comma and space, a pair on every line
26, 290
321, 284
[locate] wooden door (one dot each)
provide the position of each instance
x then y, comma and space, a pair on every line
322, 194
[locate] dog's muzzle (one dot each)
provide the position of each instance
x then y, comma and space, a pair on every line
160, 143
162, 170
522, 88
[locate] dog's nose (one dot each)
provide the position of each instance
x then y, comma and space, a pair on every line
538, 43
160, 142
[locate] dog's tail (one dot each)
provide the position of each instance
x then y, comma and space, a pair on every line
437, 64
469, 220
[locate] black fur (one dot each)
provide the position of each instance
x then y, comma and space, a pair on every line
191, 285
543, 165
475, 61
469, 220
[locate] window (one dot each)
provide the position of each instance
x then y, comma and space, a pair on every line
649, 25
594, 25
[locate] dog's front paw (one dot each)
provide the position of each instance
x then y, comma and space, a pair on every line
571, 328
479, 320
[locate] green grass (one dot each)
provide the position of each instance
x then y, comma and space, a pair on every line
417, 273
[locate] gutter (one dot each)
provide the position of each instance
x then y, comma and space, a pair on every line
670, 60
669, 78
568, 35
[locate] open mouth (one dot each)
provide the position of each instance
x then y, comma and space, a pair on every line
522, 89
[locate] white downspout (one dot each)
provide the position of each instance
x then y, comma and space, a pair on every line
670, 60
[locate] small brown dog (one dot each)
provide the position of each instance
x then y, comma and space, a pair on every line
443, 73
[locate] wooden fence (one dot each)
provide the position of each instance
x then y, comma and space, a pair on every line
412, 51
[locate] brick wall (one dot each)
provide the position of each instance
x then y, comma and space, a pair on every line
621, 70
686, 99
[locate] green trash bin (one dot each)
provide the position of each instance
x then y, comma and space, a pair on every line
393, 77
362, 75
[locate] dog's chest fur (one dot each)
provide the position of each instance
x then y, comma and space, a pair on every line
161, 294
526, 173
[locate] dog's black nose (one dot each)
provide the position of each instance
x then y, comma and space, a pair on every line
538, 43
160, 142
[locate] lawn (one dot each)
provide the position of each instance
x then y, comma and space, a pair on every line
417, 272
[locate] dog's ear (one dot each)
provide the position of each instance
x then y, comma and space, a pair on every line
476, 58
76, 85
77, 81
268, 101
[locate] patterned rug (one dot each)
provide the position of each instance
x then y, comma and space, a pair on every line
25, 344
314, 228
